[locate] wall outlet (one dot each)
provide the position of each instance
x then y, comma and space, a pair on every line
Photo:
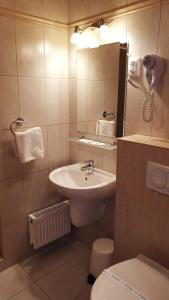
134, 67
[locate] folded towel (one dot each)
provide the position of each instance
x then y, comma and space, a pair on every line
105, 128
29, 144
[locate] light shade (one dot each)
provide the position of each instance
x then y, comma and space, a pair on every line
76, 36
105, 31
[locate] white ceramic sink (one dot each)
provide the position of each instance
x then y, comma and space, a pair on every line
72, 182
88, 193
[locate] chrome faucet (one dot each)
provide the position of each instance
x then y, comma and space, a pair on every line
89, 166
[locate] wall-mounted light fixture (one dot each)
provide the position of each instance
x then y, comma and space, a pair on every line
100, 25
75, 38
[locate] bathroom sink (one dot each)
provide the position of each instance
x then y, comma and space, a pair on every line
72, 182
88, 193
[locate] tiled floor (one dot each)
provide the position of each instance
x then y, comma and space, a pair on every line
57, 274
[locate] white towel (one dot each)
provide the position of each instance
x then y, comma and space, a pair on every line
105, 128
29, 144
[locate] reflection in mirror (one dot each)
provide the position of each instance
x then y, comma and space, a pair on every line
101, 77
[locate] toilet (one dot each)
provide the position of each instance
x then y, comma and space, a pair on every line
135, 279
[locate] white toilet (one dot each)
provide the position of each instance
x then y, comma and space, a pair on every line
135, 279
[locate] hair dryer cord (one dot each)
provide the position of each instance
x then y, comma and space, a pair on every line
147, 112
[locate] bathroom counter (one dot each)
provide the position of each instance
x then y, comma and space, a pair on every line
146, 140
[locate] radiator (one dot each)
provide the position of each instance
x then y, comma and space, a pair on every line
49, 224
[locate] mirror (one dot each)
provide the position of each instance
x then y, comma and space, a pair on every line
101, 79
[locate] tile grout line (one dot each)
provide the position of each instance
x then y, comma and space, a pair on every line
67, 261
10, 298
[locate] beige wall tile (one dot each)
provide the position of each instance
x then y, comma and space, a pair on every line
32, 99
38, 164
6, 3
37, 190
10, 166
160, 126
58, 145
91, 127
56, 10
8, 51
82, 100
32, 7
9, 101
56, 52
134, 108
163, 46
57, 101
15, 244
82, 64
12, 201
82, 126
141, 44
72, 101
30, 49
141, 214
72, 56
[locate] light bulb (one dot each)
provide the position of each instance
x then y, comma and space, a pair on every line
76, 37
89, 39
105, 31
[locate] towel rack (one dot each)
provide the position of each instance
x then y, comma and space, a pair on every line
18, 121
105, 114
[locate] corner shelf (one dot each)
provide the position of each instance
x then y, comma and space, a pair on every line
92, 143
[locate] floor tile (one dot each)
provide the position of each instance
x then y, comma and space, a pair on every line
40, 265
12, 281
65, 283
81, 263
31, 293
84, 296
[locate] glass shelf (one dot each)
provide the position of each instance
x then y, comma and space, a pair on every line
93, 143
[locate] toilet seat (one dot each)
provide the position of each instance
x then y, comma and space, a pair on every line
135, 279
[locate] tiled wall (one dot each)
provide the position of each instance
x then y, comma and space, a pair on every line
142, 214
146, 31
131, 28
34, 85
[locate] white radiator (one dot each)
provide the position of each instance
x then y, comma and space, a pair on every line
49, 224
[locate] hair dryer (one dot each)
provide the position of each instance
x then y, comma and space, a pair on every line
155, 67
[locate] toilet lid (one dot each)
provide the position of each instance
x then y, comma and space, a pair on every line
135, 279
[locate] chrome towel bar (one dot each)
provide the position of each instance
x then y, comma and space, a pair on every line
18, 121
105, 114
